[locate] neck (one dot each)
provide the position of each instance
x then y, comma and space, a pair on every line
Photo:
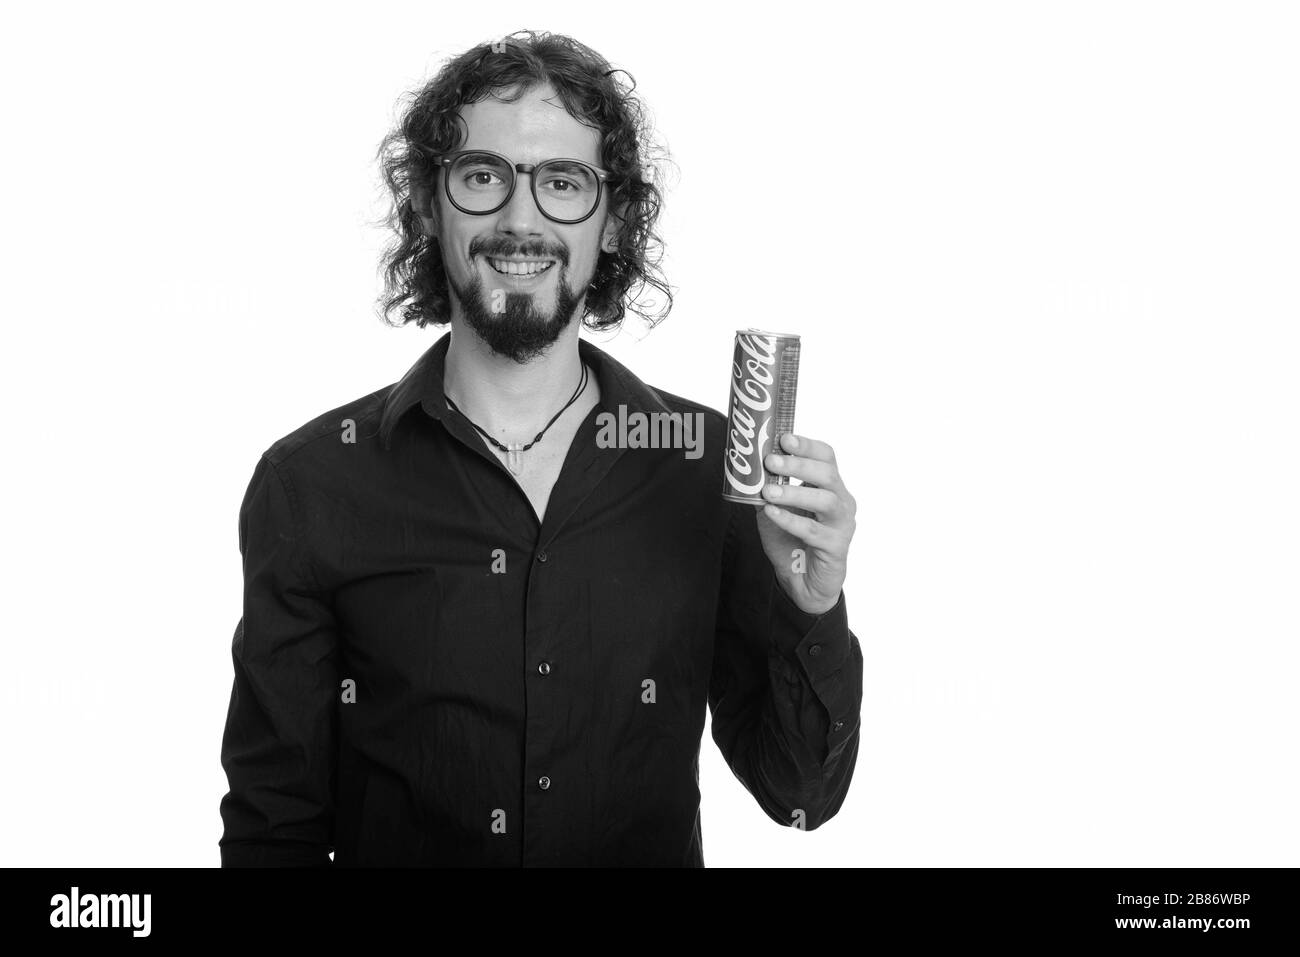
509, 400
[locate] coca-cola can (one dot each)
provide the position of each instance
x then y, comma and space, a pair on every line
764, 381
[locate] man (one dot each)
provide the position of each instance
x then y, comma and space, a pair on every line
473, 634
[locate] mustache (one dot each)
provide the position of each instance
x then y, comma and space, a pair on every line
500, 248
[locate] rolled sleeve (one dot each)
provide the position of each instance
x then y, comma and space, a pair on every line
786, 687
829, 655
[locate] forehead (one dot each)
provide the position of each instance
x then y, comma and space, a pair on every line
534, 127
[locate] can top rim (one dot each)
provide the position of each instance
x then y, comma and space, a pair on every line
765, 332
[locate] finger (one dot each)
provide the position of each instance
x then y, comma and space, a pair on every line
821, 474
809, 448
808, 530
820, 501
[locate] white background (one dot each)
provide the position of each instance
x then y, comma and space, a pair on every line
1043, 257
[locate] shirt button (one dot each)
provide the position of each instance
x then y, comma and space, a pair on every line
544, 668
815, 650
543, 782
838, 725
541, 556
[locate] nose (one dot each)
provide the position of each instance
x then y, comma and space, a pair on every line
521, 217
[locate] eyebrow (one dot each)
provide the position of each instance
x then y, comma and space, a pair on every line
562, 159
573, 164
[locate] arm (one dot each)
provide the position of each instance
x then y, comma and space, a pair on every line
279, 744
785, 689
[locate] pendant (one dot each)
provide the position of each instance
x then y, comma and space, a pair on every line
512, 458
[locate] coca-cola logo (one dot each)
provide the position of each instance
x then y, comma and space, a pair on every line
751, 401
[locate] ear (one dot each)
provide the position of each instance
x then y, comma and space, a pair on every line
425, 211
613, 224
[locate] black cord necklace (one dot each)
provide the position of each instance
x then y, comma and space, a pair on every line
512, 451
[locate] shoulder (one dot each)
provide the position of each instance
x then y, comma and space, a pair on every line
351, 424
679, 404
713, 421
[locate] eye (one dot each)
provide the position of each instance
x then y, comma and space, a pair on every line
567, 180
483, 177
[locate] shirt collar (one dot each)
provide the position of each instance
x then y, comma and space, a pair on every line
422, 385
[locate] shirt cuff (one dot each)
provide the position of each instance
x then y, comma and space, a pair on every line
822, 647
820, 643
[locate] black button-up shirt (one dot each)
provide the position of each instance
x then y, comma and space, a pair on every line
427, 675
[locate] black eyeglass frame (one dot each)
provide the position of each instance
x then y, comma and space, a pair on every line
445, 161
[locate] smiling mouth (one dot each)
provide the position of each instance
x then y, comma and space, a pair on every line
523, 269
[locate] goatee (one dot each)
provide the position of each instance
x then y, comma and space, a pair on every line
519, 331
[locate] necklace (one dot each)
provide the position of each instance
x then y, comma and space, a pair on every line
514, 449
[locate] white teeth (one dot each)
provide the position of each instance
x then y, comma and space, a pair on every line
511, 268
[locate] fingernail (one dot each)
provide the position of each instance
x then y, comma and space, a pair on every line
773, 490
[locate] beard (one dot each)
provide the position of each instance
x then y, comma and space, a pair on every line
520, 331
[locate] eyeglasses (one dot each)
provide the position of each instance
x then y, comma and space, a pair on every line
480, 182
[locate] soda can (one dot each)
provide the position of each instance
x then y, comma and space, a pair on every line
764, 380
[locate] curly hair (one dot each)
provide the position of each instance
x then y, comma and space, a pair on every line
415, 280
